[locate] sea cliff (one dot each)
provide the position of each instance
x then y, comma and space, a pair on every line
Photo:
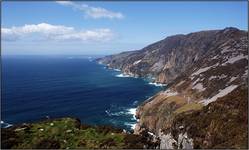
206, 76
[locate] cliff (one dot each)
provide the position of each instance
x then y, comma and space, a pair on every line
166, 59
199, 69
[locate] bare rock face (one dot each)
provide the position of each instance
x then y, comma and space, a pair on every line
168, 58
201, 69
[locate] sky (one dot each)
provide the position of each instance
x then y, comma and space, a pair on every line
103, 28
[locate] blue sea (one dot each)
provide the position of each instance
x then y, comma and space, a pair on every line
37, 87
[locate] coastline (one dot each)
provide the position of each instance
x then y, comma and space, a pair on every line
133, 111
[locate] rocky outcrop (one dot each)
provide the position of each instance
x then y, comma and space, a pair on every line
200, 70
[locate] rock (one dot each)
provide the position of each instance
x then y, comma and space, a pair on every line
184, 142
199, 69
167, 141
168, 58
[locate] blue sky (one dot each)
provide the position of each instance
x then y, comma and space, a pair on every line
72, 28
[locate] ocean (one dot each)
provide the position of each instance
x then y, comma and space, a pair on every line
37, 87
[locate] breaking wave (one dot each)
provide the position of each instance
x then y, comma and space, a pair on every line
128, 111
5, 125
157, 84
117, 69
120, 113
123, 75
128, 115
132, 111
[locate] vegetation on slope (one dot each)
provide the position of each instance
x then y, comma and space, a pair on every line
68, 133
222, 124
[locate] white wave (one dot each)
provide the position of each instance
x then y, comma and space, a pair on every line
108, 112
157, 84
124, 112
123, 75
115, 113
132, 111
129, 111
8, 125
131, 125
117, 69
5, 125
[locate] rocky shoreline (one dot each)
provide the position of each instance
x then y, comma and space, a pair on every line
165, 141
164, 136
203, 71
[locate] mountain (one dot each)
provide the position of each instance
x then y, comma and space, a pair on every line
166, 59
207, 88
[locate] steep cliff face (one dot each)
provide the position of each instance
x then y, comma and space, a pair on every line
166, 59
200, 69
215, 75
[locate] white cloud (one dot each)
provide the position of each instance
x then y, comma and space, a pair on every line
92, 12
65, 2
55, 32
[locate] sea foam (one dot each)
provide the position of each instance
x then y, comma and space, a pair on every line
117, 69
125, 112
109, 113
5, 125
157, 84
123, 75
132, 111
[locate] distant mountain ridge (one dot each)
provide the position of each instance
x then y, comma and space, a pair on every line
202, 70
166, 59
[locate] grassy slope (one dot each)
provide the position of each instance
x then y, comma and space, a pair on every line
67, 133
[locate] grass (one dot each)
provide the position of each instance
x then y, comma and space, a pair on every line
64, 134
188, 107
177, 99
